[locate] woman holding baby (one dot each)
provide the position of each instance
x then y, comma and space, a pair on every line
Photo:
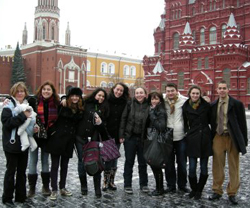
16, 159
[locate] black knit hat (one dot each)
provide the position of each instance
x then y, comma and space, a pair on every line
75, 91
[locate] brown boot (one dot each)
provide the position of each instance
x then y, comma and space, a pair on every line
112, 185
32, 178
46, 180
106, 180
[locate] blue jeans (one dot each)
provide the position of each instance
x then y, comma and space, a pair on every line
132, 147
179, 150
193, 165
81, 169
34, 159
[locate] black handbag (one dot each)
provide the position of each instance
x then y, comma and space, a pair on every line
156, 152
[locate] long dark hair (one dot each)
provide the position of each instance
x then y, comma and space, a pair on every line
90, 98
125, 94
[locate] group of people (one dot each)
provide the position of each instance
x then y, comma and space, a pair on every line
200, 130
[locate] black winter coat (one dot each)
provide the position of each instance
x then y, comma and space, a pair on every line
11, 122
157, 118
134, 115
196, 127
116, 106
86, 127
237, 125
63, 140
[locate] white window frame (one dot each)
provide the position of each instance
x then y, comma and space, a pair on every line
104, 68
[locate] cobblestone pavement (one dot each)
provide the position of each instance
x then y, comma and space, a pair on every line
138, 199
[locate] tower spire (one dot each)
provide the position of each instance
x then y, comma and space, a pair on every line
25, 35
67, 35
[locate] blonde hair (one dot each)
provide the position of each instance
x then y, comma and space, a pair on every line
15, 87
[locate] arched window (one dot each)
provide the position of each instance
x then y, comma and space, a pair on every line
214, 5
111, 68
181, 80
199, 64
176, 41
179, 13
226, 76
211, 6
206, 62
223, 4
194, 35
238, 3
126, 70
202, 8
212, 35
202, 36
103, 84
88, 66
173, 13
133, 71
248, 86
223, 30
53, 32
159, 47
176, 14
104, 68
44, 32
193, 11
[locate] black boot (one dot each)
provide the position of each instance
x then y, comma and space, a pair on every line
97, 185
193, 185
112, 185
106, 180
159, 183
84, 184
46, 180
32, 178
200, 186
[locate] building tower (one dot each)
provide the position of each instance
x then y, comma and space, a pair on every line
46, 22
25, 35
67, 36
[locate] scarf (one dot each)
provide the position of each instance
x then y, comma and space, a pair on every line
194, 105
172, 104
52, 111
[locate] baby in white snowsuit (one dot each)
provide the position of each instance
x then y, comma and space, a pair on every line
26, 137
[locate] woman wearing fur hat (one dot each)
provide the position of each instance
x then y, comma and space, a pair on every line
61, 143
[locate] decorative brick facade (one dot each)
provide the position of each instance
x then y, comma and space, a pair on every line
202, 42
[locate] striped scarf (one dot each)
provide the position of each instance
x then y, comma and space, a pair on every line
52, 111
195, 105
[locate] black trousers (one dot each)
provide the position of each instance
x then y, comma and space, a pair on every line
55, 160
16, 165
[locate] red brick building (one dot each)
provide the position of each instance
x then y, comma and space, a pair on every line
202, 42
45, 58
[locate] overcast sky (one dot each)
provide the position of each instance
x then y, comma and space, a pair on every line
124, 26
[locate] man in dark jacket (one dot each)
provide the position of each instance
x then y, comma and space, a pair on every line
229, 130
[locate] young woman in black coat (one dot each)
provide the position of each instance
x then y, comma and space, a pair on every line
117, 101
61, 143
196, 114
92, 125
157, 120
16, 160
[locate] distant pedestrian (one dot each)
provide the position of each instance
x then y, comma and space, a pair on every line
16, 159
229, 130
196, 114
173, 103
132, 134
